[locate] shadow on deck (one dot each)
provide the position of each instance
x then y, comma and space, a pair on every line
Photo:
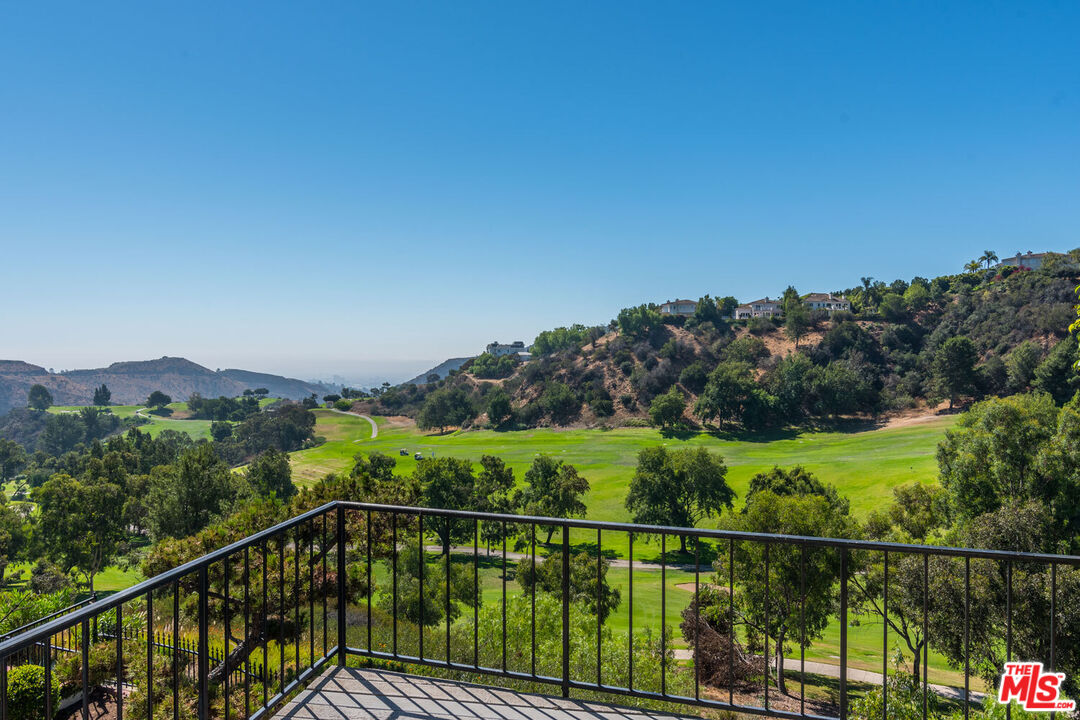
355, 694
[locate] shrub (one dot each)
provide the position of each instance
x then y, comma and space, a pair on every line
602, 407
343, 404
26, 692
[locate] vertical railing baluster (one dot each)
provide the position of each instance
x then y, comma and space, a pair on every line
1053, 621
423, 562
228, 632
265, 630
697, 617
925, 630
504, 596
85, 675
599, 597
885, 642
476, 592
342, 604
311, 595
630, 607
247, 634
566, 610
663, 613
3, 688
176, 650
325, 590
298, 627
371, 589
48, 678
765, 627
149, 659
967, 634
120, 662
204, 644
281, 610
393, 572
731, 621
532, 602
843, 631
447, 598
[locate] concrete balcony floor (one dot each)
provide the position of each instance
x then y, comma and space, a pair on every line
355, 694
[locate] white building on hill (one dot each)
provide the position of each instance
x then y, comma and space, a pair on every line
827, 301
515, 348
685, 308
759, 308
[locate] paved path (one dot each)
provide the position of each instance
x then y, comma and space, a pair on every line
374, 427
854, 675
517, 556
354, 694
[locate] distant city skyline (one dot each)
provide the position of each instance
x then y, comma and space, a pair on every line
366, 190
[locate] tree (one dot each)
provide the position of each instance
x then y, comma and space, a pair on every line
39, 397
585, 586
220, 430
988, 256
187, 496
270, 474
1020, 364
1056, 374
781, 615
678, 487
494, 493
158, 400
444, 407
449, 484
435, 584
638, 322
102, 395
12, 459
667, 410
796, 320
990, 455
727, 305
62, 433
13, 537
80, 524
560, 402
973, 266
954, 367
553, 489
731, 395
500, 409
331, 398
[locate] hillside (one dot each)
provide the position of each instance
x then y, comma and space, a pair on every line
904, 346
443, 369
131, 382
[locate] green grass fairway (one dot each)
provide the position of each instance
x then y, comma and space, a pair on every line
864, 466
197, 429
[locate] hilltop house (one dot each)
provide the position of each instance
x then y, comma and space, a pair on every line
684, 308
1029, 260
759, 308
827, 302
515, 348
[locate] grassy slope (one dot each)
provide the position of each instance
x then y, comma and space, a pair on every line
865, 466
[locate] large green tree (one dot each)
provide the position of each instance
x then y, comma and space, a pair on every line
954, 368
81, 523
447, 483
12, 459
589, 586
270, 474
678, 487
798, 592
102, 395
732, 395
445, 407
188, 495
553, 489
39, 397
667, 410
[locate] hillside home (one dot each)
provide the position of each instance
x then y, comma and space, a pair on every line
515, 348
684, 308
759, 308
1029, 260
827, 302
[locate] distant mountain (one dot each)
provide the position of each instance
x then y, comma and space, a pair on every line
132, 382
442, 370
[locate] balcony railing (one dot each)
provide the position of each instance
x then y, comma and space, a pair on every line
235, 633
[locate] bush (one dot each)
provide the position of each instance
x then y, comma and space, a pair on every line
602, 407
26, 692
343, 404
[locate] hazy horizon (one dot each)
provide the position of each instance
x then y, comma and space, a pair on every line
356, 189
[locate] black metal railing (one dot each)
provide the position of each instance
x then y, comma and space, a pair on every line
235, 633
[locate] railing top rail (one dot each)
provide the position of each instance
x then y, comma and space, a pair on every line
38, 634
725, 534
155, 583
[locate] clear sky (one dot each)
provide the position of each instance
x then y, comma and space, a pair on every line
353, 188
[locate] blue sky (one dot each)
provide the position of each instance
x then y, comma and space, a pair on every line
367, 189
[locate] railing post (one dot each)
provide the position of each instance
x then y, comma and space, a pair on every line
566, 610
843, 631
204, 644
341, 585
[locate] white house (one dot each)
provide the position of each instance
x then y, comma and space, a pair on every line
515, 348
685, 308
759, 308
827, 302
1029, 260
